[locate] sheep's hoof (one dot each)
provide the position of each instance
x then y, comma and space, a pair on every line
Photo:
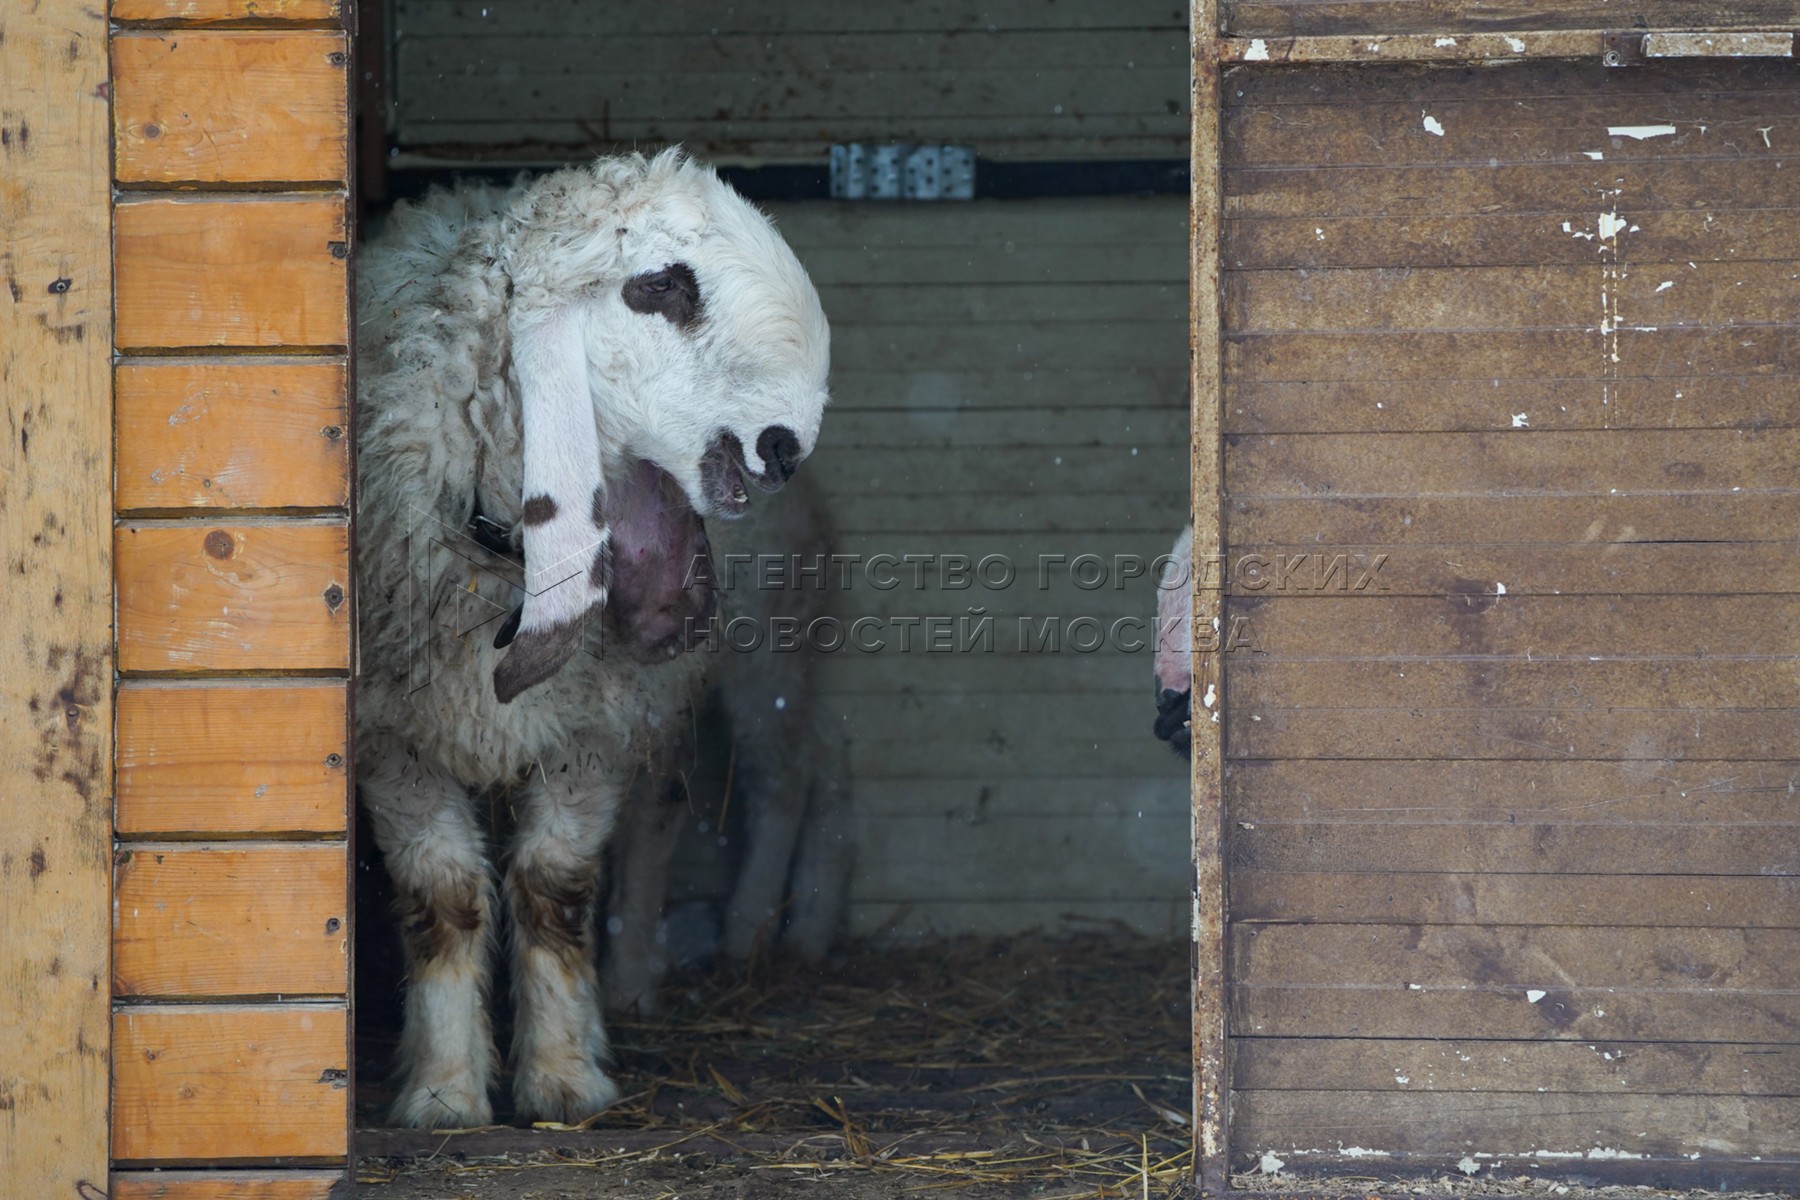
455, 1104
569, 1096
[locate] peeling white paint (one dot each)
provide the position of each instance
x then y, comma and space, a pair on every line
1270, 1164
1362, 1152
1402, 1080
1499, 589
1515, 45
1640, 132
1433, 126
1534, 995
1258, 51
1608, 1152
1443, 42
1521, 421
1318, 233
1596, 155
1664, 286
1211, 697
1611, 225
1468, 1166
1764, 130
1576, 233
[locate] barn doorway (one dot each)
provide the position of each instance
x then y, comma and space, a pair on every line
1004, 465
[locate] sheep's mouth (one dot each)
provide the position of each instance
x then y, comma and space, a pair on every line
722, 476
726, 478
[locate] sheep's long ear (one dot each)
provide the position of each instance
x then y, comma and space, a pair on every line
566, 537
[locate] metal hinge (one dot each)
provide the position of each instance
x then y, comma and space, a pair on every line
1629, 49
897, 171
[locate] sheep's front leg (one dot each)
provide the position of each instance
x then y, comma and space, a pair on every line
552, 879
827, 852
444, 897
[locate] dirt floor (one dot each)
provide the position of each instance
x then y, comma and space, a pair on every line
1027, 1067
986, 1070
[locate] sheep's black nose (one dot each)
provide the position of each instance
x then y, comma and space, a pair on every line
780, 451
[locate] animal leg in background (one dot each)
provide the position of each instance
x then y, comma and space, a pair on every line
827, 852
649, 829
445, 901
771, 749
552, 877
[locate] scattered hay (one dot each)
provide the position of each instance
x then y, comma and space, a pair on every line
1054, 1063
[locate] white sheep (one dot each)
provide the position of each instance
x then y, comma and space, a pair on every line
597, 359
1174, 646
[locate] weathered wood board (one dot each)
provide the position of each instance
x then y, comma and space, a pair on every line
1513, 852
1078, 79
1289, 18
56, 657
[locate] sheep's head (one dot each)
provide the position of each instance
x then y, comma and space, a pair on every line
656, 318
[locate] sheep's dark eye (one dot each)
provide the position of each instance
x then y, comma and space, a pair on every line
672, 292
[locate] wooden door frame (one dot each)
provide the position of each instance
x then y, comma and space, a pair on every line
1214, 48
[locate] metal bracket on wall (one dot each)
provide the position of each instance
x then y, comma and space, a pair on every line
898, 171
1631, 49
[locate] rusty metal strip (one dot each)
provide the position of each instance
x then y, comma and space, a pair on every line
1208, 791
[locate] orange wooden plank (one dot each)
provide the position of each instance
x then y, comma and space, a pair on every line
225, 107
227, 1185
232, 435
262, 271
231, 760
208, 597
227, 10
230, 921
229, 1083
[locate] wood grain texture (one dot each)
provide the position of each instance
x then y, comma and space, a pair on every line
228, 1083
204, 11
1481, 622
227, 1185
1522, 792
1515, 1125
1535, 966
1516, 793
1349, 1008
232, 435
231, 760
242, 272
1465, 405
1088, 80
233, 598
1286, 18
1441, 897
192, 106
218, 921
55, 662
1564, 1068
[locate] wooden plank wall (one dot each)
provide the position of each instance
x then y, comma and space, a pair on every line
1303, 18
1009, 378
1017, 79
231, 932
56, 655
1514, 856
